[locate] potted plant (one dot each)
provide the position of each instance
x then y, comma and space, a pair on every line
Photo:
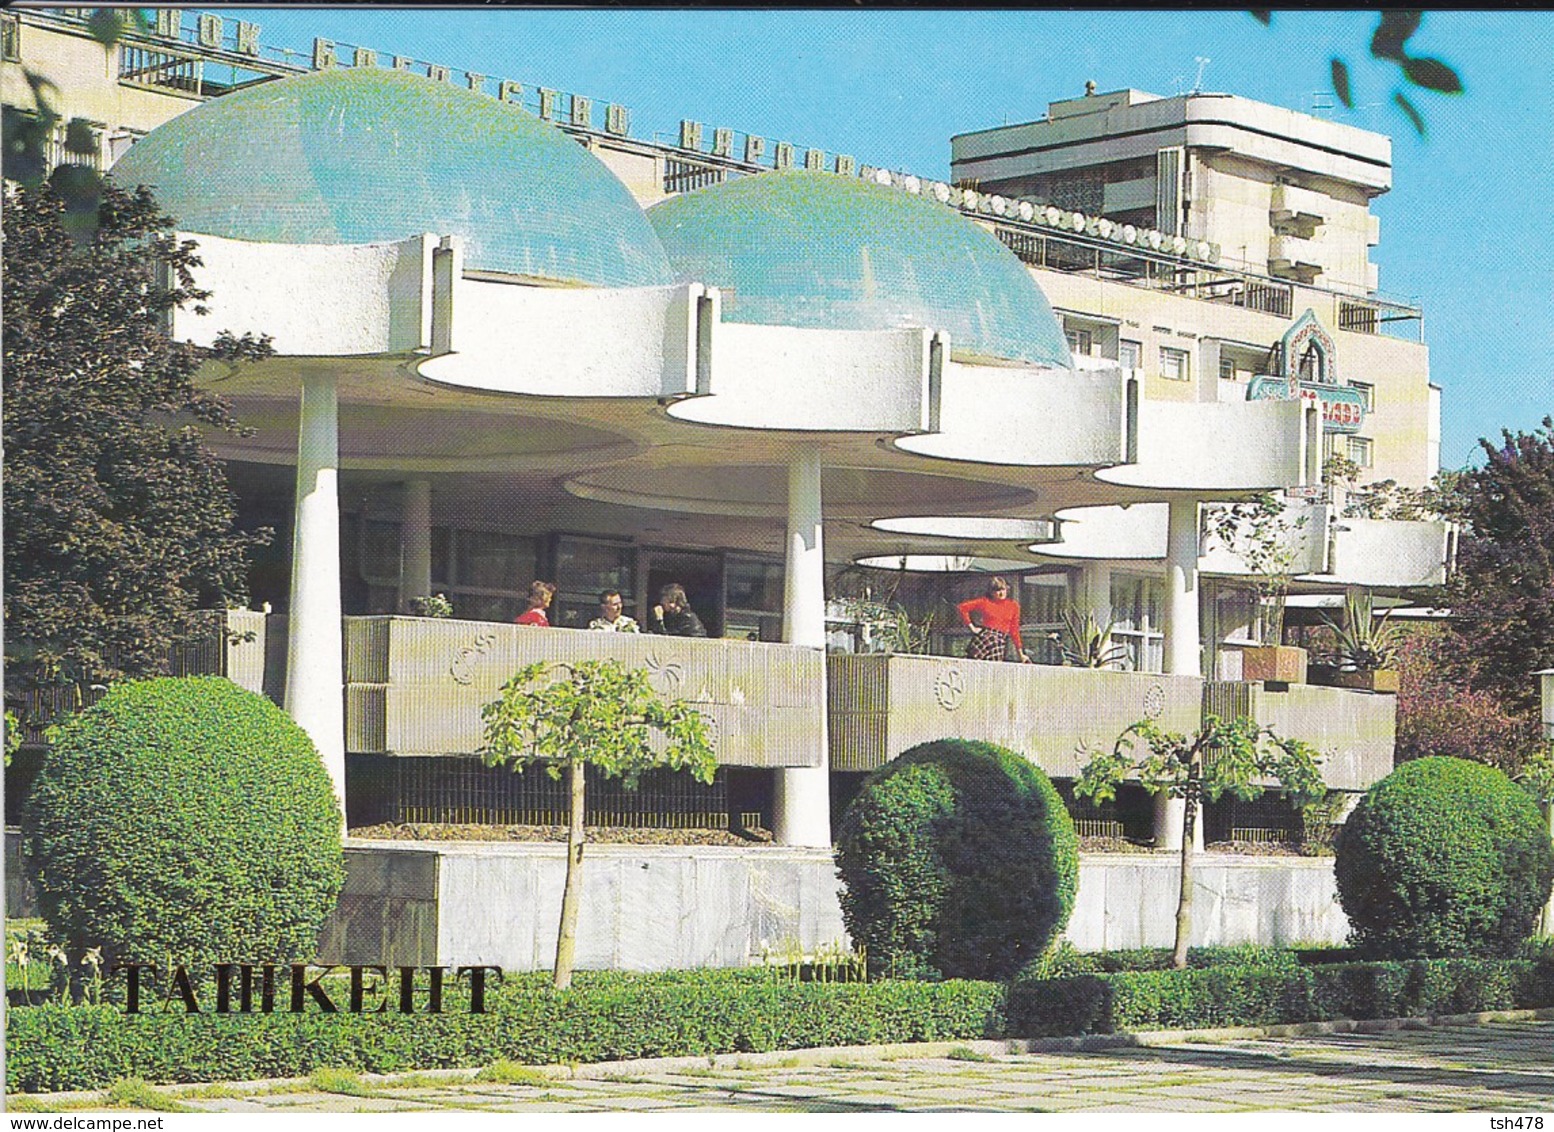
1366, 647
1086, 643
1260, 535
434, 606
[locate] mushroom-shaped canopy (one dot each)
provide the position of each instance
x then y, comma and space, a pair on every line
365, 155
832, 252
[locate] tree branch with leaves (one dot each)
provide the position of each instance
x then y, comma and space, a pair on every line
1268, 541
597, 713
1236, 757
119, 522
1389, 44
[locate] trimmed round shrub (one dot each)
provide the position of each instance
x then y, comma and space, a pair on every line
1443, 857
185, 818
958, 861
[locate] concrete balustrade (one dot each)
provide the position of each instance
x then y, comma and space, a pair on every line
881, 705
422, 681
1354, 731
415, 686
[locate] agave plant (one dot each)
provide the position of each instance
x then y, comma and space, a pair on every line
1366, 642
1086, 644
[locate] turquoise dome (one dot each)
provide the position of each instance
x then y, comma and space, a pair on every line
826, 251
364, 155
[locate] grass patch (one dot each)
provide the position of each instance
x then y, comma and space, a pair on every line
217, 1093
511, 1073
420, 1081
346, 1082
966, 1053
132, 1092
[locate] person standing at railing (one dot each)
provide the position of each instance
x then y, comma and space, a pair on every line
611, 619
540, 594
673, 616
994, 621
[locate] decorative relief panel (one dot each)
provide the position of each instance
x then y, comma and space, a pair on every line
949, 689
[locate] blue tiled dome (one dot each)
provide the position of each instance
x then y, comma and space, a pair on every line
361, 155
825, 251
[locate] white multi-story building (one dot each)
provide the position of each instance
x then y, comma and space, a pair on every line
792, 367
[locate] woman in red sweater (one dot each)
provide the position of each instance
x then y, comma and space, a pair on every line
994, 621
540, 594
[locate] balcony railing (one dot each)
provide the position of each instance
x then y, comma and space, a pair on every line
416, 686
881, 705
1355, 732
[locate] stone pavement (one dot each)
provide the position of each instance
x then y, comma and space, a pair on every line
1503, 1064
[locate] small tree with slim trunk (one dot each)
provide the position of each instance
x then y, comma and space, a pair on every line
597, 713
1236, 757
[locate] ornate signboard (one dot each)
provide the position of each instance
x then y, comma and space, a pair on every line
1305, 365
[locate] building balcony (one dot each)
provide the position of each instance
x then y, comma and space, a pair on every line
415, 687
1354, 731
1292, 257
881, 705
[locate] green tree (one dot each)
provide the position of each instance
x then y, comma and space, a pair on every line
598, 713
118, 518
1502, 594
1235, 757
1269, 542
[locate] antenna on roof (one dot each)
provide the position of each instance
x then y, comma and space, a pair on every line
1203, 65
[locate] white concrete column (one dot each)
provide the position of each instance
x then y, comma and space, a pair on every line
315, 657
803, 801
415, 543
1171, 819
1183, 646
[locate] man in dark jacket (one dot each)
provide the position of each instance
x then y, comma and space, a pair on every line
673, 616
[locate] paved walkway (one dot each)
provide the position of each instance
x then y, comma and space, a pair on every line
1501, 1066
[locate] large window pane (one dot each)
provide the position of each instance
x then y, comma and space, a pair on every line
442, 557
493, 561
380, 552
753, 585
586, 567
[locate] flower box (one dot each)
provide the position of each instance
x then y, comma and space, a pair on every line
1374, 680
1274, 664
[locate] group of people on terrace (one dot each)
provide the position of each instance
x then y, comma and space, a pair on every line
993, 618
671, 617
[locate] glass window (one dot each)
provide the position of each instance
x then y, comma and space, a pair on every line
380, 552
1360, 450
1079, 342
1136, 622
752, 584
493, 561
10, 39
1367, 393
584, 568
1130, 355
1227, 368
486, 607
1173, 364
587, 566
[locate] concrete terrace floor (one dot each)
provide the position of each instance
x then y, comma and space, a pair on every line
1501, 1063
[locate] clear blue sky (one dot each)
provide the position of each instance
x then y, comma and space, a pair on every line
1466, 231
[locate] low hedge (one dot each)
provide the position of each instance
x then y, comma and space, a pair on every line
603, 1017
609, 1016
1271, 995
